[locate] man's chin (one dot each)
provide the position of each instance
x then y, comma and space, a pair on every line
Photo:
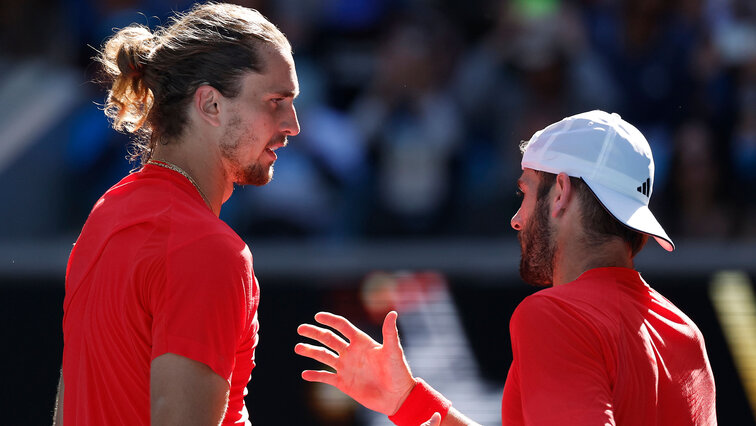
255, 177
256, 182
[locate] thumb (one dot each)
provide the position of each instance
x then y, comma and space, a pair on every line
390, 331
435, 420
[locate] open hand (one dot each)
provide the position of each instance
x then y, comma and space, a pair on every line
375, 375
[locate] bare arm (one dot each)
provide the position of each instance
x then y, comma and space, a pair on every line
375, 375
186, 392
58, 413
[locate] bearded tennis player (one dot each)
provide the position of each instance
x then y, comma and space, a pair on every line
598, 345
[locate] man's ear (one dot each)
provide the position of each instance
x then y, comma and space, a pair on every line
563, 194
207, 104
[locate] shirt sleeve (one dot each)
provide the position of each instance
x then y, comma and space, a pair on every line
559, 365
201, 310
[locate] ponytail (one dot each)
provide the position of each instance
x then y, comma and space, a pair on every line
124, 59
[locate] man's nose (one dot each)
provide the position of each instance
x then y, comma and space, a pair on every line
290, 125
516, 221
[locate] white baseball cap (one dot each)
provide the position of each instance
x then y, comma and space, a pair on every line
611, 156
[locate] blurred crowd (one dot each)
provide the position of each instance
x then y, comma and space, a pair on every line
412, 111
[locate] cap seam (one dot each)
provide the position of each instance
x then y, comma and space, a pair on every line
603, 155
549, 141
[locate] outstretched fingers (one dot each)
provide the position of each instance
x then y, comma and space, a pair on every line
317, 353
377, 376
319, 376
340, 324
326, 337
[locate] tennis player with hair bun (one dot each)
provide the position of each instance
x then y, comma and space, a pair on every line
160, 311
598, 346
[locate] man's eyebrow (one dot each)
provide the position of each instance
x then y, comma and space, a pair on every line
286, 93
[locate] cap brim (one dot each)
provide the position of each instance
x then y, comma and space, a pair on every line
632, 213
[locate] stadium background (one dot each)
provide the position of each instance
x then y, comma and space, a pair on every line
399, 190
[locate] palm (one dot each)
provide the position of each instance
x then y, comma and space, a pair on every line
366, 371
375, 375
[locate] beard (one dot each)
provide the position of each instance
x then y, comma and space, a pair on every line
257, 173
254, 174
538, 248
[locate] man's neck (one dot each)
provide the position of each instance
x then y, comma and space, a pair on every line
571, 262
204, 167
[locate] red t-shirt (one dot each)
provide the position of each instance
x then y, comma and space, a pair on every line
153, 272
606, 349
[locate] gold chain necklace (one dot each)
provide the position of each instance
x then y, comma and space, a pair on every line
179, 170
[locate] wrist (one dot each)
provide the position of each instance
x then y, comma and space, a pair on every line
410, 387
419, 405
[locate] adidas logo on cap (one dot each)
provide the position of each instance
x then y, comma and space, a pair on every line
644, 189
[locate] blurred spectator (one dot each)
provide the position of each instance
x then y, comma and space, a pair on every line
700, 209
408, 116
744, 149
33, 28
